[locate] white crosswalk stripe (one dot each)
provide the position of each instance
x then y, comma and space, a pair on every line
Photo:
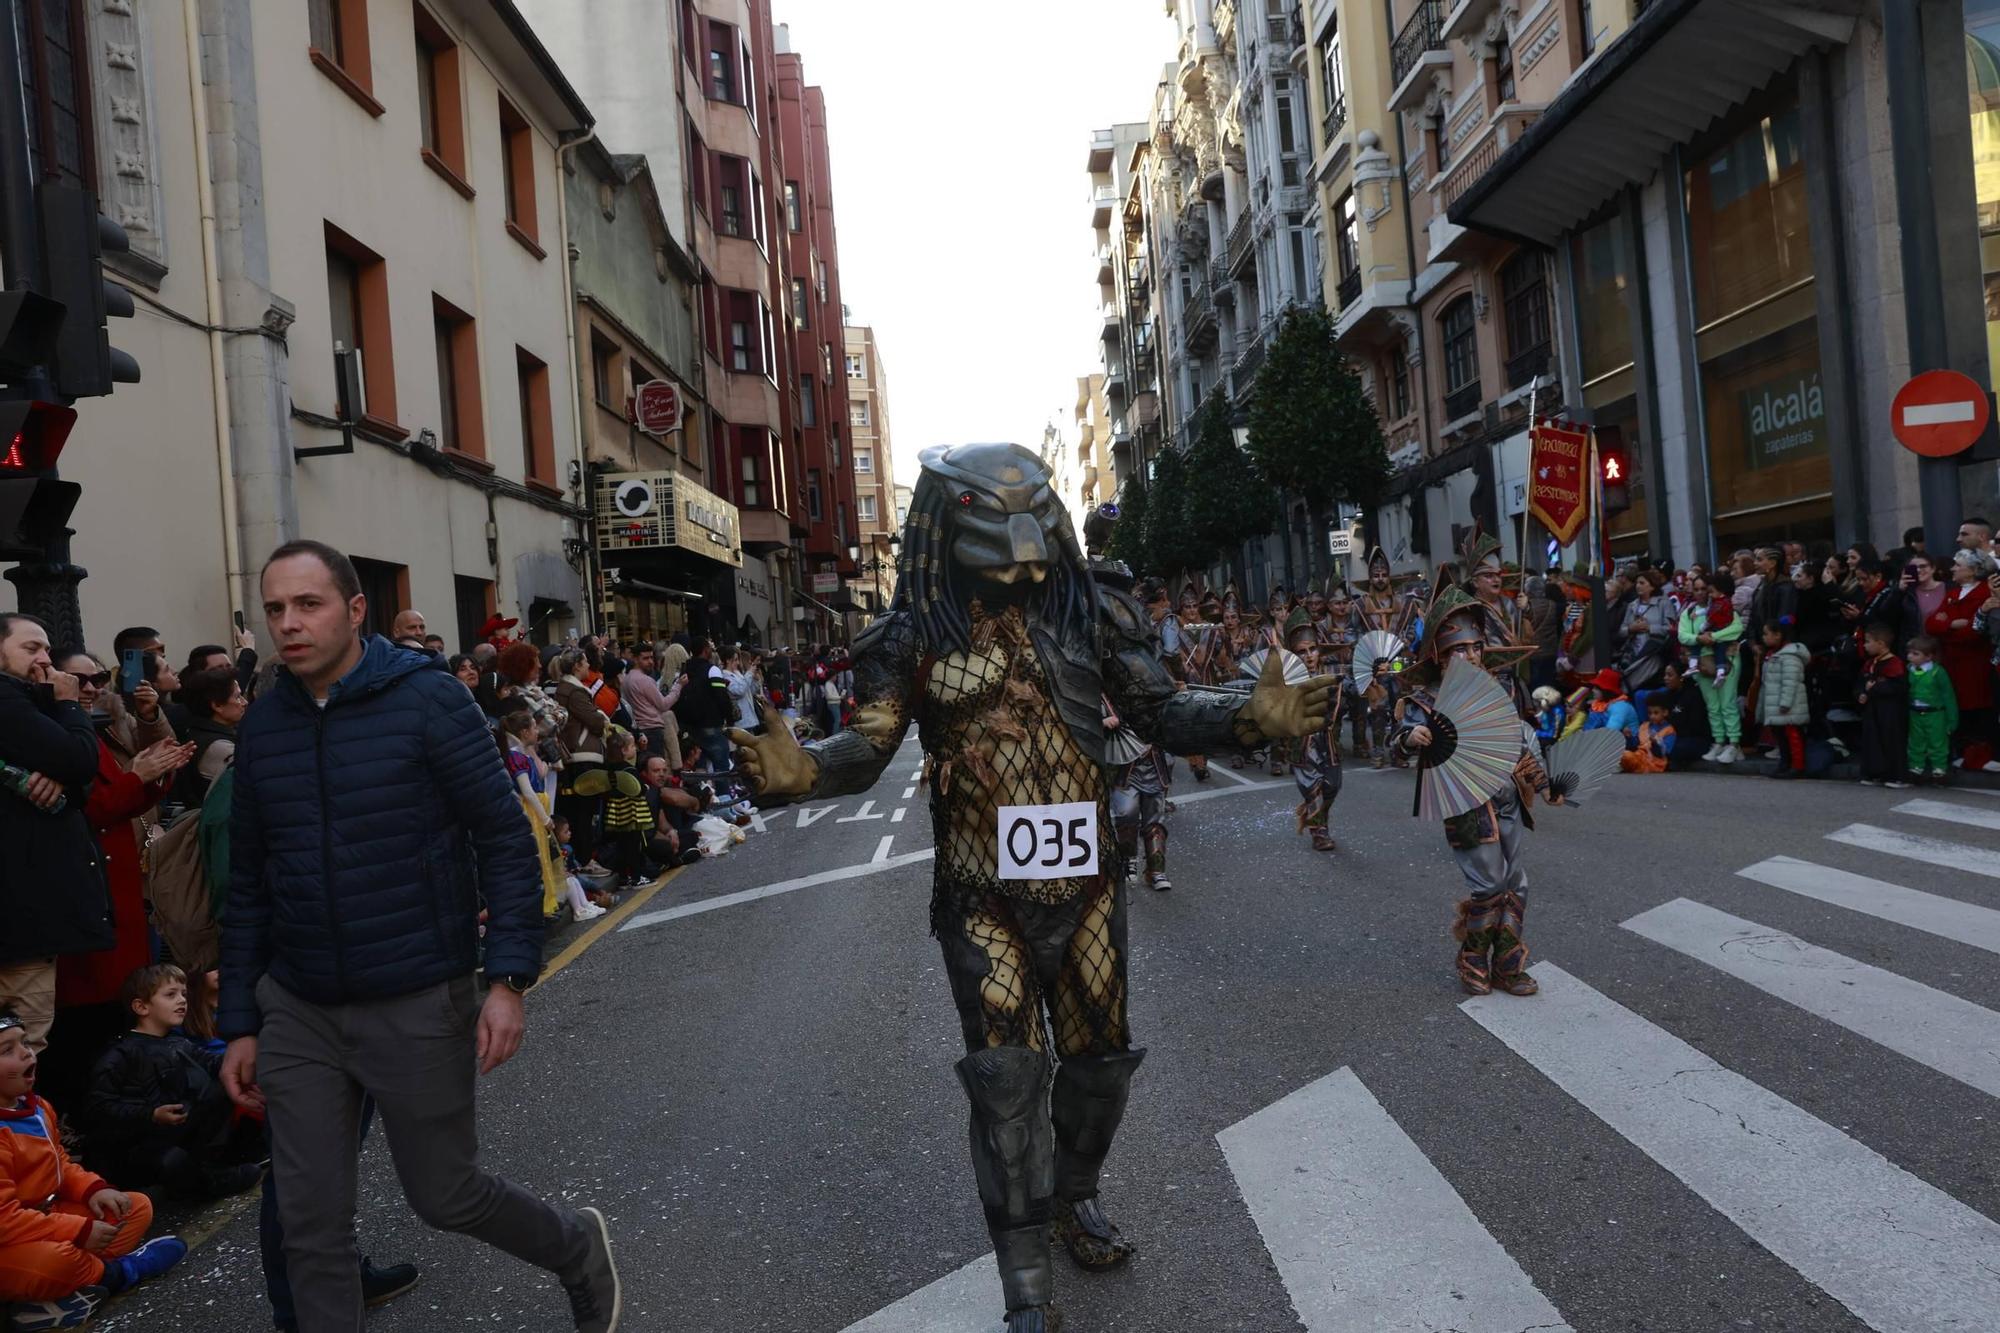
1954, 920
1931, 851
1951, 813
1899, 1253
1953, 1036
1365, 1231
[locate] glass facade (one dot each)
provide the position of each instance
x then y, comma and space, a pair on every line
1756, 334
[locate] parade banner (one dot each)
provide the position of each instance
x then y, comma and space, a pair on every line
1559, 477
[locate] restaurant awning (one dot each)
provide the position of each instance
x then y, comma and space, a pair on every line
1681, 66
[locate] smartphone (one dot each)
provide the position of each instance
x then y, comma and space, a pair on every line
238, 615
131, 669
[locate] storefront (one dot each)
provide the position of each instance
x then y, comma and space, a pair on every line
1603, 303
669, 551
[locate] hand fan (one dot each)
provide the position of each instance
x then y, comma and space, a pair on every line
1252, 667
1579, 764
1377, 646
1477, 742
1122, 745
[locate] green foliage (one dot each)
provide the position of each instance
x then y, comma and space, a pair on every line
1171, 543
1128, 535
1311, 430
1227, 500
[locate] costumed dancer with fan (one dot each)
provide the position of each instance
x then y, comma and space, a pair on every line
1485, 839
1315, 758
1339, 632
1176, 645
1383, 610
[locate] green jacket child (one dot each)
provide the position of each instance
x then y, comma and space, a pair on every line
1933, 716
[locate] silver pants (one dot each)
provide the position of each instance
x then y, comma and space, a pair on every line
1495, 867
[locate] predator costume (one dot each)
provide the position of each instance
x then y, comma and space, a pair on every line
1315, 758
1485, 841
1383, 608
1002, 647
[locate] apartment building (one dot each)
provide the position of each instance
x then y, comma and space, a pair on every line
1094, 478
1119, 254
880, 525
314, 364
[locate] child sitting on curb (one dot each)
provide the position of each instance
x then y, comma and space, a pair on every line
67, 1239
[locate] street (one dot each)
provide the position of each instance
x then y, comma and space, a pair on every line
1755, 1092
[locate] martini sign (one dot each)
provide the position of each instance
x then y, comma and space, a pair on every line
1559, 477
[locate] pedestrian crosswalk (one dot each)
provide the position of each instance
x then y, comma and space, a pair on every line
1367, 1232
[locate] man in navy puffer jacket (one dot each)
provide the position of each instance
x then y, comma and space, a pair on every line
365, 782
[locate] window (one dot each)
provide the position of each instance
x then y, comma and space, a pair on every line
460, 426
387, 588
1461, 359
357, 288
822, 280
752, 494
864, 459
1503, 69
859, 415
793, 219
1348, 243
812, 494
808, 401
1524, 296
1587, 25
865, 507
1399, 382
338, 33
801, 310
1334, 76
751, 344
604, 377
855, 369
56, 86
440, 113
690, 40
473, 600
517, 159
698, 182
722, 62
741, 348
538, 432
732, 176
840, 522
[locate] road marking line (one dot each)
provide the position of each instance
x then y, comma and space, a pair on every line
1954, 920
1365, 1231
1953, 1036
1226, 791
1902, 1255
896, 815
1931, 851
772, 890
859, 815
960, 1302
908, 792
757, 822
807, 818
882, 849
1951, 814
1226, 771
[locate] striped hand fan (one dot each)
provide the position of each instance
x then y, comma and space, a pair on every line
1477, 742
1579, 764
1252, 667
1376, 648
1122, 745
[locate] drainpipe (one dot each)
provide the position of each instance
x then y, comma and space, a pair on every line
592, 579
1410, 301
225, 457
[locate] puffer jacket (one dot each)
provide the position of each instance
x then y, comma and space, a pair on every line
353, 830
1781, 700
53, 895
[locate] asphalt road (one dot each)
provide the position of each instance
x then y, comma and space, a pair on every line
753, 1079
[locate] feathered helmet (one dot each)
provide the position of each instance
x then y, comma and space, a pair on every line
1480, 553
1189, 601
1378, 564
1231, 600
1280, 601
1300, 631
1211, 605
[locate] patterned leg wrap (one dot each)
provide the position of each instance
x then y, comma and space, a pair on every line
1013, 1157
1477, 920
1087, 1106
1156, 858
1510, 951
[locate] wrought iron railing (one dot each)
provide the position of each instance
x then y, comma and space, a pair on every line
1349, 289
1423, 32
1525, 365
1239, 241
1247, 365
1462, 401
1336, 118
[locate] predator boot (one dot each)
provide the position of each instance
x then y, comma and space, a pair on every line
1013, 1159
1477, 920
1510, 951
1087, 1105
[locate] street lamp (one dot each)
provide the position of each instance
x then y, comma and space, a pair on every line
854, 552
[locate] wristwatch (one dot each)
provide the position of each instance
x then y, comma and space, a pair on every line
518, 982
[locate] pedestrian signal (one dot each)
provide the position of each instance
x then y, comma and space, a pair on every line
1613, 471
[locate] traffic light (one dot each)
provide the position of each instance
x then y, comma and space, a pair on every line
29, 324
34, 507
75, 239
1613, 470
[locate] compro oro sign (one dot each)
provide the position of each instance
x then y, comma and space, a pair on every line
1940, 413
640, 511
656, 406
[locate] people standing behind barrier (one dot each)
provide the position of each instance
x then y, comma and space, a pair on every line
215, 706
582, 736
704, 707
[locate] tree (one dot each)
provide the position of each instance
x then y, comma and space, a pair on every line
1226, 501
1172, 545
1129, 538
1311, 429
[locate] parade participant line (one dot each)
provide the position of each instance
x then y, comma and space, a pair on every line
1946, 917
1901, 1254
1953, 1036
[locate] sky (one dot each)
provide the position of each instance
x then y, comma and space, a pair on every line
960, 133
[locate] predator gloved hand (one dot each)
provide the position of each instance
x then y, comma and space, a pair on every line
1276, 710
777, 766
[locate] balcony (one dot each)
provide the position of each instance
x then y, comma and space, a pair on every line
1335, 121
1525, 365
1418, 47
1219, 283
1115, 383
1349, 290
1224, 19
1248, 362
1106, 267
1504, 129
1198, 320
1461, 402
1103, 199
1144, 363
1240, 249
1109, 313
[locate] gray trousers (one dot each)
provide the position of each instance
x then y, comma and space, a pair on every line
1495, 867
414, 1054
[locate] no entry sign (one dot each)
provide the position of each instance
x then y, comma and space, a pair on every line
1940, 413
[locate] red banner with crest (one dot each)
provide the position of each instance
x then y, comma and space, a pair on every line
1559, 477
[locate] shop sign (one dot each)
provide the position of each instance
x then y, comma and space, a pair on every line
1784, 419
1559, 477
826, 582
653, 510
657, 406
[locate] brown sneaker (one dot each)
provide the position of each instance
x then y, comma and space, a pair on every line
1323, 841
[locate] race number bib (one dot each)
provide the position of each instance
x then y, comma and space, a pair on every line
1048, 841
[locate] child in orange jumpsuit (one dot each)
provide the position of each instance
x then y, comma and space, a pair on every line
67, 1238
